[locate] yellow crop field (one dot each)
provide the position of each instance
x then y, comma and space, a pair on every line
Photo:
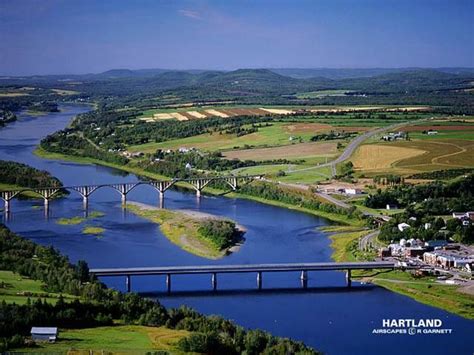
442, 154
409, 157
381, 156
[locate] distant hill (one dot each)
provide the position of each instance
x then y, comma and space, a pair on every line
257, 83
343, 73
413, 80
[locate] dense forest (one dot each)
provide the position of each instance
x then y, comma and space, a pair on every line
437, 197
221, 233
99, 305
14, 173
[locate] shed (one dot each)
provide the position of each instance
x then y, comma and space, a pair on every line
48, 334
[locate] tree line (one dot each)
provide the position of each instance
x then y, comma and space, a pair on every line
14, 173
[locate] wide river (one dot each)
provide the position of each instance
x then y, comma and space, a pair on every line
327, 315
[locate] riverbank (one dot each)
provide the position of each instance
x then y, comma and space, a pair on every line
422, 289
334, 217
184, 228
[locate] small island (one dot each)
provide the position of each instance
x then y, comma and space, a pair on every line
202, 234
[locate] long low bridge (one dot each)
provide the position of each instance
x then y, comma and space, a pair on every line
198, 183
258, 269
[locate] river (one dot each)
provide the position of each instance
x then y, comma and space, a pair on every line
327, 315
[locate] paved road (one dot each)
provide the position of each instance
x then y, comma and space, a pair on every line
367, 241
333, 200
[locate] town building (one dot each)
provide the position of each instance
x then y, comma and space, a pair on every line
48, 334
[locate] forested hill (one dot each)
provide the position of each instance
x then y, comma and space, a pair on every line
13, 173
129, 82
155, 88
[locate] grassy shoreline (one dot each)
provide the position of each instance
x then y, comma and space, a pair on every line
181, 229
338, 218
424, 290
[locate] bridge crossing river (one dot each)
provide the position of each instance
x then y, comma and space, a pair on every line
198, 183
214, 270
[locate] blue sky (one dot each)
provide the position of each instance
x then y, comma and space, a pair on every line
84, 36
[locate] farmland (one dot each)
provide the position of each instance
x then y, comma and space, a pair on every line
276, 134
294, 151
200, 112
450, 146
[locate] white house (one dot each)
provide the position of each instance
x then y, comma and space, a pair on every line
403, 226
352, 191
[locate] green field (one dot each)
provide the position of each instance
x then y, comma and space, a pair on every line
467, 134
17, 288
119, 338
277, 134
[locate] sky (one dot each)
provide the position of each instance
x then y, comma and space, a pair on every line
91, 36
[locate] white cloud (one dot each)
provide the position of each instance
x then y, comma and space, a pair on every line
191, 14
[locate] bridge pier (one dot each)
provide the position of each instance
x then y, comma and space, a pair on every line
348, 278
304, 278
7, 206
161, 201
7, 196
168, 283
128, 283
259, 280
214, 281
85, 202
124, 198
46, 212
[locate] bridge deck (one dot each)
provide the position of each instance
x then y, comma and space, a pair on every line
208, 269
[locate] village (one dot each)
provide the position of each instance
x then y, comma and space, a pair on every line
452, 262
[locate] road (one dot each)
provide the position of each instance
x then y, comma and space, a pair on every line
346, 154
333, 200
366, 241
